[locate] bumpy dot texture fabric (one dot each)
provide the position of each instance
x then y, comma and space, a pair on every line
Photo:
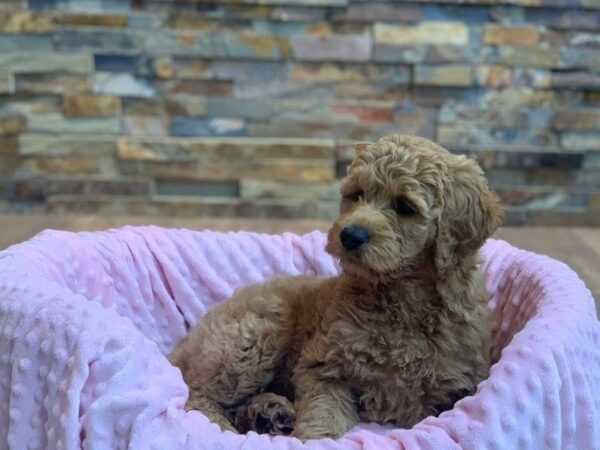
86, 319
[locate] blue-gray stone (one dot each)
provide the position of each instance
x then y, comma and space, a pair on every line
118, 42
252, 109
206, 126
87, 6
45, 62
217, 44
56, 123
137, 65
122, 84
146, 20
11, 42
115, 63
580, 58
471, 15
351, 48
251, 70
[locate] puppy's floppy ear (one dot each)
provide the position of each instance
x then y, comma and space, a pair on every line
470, 213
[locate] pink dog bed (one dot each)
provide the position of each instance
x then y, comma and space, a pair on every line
86, 319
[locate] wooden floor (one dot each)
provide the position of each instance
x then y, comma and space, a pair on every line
578, 247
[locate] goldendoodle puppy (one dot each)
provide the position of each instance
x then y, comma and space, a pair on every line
400, 334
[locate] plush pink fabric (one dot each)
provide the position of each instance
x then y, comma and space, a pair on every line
85, 321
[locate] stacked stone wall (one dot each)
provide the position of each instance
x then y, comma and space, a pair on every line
249, 107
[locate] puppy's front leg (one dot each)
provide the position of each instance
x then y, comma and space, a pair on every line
324, 409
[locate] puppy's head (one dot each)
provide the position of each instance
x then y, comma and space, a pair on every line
406, 202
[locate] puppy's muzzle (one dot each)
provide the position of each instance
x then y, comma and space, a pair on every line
353, 237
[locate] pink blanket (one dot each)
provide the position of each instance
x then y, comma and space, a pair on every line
86, 319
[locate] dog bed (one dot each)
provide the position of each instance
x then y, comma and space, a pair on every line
86, 319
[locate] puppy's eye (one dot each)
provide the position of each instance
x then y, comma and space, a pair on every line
355, 196
403, 207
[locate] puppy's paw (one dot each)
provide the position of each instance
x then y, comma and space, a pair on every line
267, 414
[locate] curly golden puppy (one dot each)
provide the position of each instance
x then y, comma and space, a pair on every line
400, 334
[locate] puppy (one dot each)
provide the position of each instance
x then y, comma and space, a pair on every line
400, 334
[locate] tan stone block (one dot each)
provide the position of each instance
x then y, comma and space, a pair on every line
98, 20
128, 149
253, 188
146, 125
594, 200
448, 33
573, 119
230, 149
69, 164
9, 146
52, 84
12, 124
91, 105
25, 22
493, 76
191, 68
448, 75
529, 56
326, 72
307, 170
521, 35
163, 67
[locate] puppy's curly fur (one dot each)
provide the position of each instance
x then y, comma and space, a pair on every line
400, 334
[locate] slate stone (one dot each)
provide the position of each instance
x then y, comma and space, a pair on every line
432, 33
25, 42
576, 119
6, 83
44, 62
145, 125
581, 141
202, 126
123, 84
415, 54
51, 83
378, 12
445, 75
529, 56
21, 21
575, 79
91, 105
105, 41
352, 48
57, 123
34, 144
580, 58
218, 44
519, 35
251, 109
564, 18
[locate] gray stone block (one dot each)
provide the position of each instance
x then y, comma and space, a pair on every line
121, 84
350, 48
57, 123
30, 62
6, 83
202, 126
43, 144
107, 41
12, 42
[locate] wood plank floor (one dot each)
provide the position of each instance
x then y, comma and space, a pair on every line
578, 247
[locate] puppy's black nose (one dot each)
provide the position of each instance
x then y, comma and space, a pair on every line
353, 237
